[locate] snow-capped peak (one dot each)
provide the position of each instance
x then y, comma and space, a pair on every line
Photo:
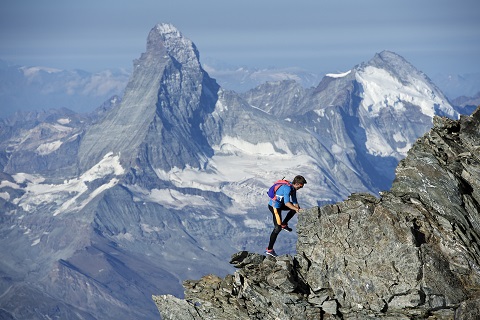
389, 80
168, 29
178, 46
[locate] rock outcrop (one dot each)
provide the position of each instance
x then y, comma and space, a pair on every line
412, 253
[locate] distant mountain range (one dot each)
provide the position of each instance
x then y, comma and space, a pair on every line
243, 78
30, 88
37, 88
101, 210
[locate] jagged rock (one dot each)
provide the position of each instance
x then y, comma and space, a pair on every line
330, 306
415, 247
263, 288
469, 309
412, 253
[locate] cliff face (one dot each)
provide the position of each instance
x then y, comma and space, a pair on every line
166, 100
412, 253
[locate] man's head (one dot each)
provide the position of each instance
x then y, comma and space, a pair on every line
298, 182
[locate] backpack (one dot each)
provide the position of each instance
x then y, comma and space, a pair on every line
273, 189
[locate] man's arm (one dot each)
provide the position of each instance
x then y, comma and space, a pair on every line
292, 206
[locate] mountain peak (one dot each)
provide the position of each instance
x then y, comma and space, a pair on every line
169, 41
389, 74
389, 56
394, 63
165, 100
167, 28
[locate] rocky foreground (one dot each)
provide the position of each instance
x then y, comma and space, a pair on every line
413, 253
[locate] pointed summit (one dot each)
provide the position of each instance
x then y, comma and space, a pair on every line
165, 38
390, 60
164, 104
398, 67
390, 76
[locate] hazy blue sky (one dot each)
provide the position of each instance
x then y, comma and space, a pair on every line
317, 35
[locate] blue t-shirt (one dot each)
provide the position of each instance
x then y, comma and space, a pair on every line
284, 194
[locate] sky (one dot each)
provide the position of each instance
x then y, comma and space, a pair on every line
320, 36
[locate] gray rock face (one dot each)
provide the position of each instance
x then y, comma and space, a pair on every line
281, 98
412, 253
164, 103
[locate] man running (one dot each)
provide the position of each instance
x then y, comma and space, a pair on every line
285, 198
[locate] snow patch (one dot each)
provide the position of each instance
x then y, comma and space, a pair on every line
6, 183
338, 75
376, 143
26, 177
232, 145
71, 195
5, 196
398, 137
125, 236
336, 149
110, 164
149, 229
174, 199
220, 107
47, 148
63, 121
405, 149
254, 224
61, 128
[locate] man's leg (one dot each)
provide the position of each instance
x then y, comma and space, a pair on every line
289, 216
277, 218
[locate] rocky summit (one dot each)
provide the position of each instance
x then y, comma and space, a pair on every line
412, 253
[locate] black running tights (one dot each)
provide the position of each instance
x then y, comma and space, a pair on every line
277, 227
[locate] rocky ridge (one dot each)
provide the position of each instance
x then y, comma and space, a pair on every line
412, 253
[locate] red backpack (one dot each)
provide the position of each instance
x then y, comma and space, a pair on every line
273, 189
